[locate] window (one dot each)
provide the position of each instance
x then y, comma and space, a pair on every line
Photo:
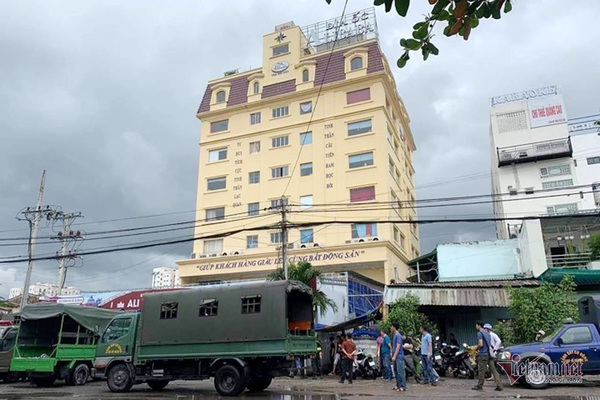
217, 155
254, 147
275, 204
358, 96
213, 246
396, 234
214, 214
254, 177
279, 172
306, 202
208, 308
306, 138
593, 160
577, 335
280, 141
363, 230
305, 75
390, 135
253, 209
255, 88
555, 170
402, 240
252, 242
360, 160
557, 184
255, 118
220, 96
219, 126
562, 209
168, 310
216, 183
306, 107
366, 193
306, 169
392, 167
280, 111
250, 304
281, 49
356, 63
276, 237
356, 128
306, 236
117, 329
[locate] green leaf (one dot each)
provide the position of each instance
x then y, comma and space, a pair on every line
402, 7
328, 1
480, 12
403, 59
419, 25
447, 30
388, 4
403, 43
507, 6
474, 21
439, 6
425, 52
443, 15
487, 10
413, 44
421, 33
434, 50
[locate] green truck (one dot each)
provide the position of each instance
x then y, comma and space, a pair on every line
242, 334
58, 341
8, 336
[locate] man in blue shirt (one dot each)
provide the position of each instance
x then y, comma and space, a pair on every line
484, 359
385, 356
427, 356
398, 359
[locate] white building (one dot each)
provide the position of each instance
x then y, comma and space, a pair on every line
534, 159
44, 289
165, 277
585, 137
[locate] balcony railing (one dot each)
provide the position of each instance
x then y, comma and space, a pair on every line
534, 151
570, 261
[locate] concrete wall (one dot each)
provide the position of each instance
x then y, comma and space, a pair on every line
532, 252
586, 146
496, 259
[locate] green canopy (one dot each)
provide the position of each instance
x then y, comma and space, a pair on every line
87, 317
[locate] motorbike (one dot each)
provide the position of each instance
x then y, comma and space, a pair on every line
365, 366
460, 365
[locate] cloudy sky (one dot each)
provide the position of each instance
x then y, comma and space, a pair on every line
103, 94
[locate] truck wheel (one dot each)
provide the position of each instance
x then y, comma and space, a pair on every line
258, 384
229, 381
79, 375
43, 381
11, 377
158, 384
537, 377
119, 378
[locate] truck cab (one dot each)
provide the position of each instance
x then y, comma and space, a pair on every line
116, 343
8, 337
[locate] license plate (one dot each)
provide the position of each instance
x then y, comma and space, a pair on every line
372, 363
438, 357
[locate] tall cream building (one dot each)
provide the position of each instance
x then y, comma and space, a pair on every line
325, 129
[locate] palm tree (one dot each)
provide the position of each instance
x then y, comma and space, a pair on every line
305, 273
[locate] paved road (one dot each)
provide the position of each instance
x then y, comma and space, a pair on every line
297, 389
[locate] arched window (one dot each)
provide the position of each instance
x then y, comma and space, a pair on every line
220, 96
305, 75
356, 63
255, 88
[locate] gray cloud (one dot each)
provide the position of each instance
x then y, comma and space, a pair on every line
102, 94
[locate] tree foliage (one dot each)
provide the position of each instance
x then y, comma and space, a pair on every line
459, 17
593, 244
545, 308
405, 312
305, 273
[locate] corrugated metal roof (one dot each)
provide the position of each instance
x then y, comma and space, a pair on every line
473, 294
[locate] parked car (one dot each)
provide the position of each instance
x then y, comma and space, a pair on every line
8, 336
241, 334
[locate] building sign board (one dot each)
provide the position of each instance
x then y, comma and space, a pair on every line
547, 110
524, 95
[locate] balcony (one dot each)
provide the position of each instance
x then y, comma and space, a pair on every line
532, 152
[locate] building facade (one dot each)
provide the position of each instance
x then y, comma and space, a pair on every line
44, 289
535, 165
321, 129
165, 277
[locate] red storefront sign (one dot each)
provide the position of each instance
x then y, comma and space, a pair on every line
131, 301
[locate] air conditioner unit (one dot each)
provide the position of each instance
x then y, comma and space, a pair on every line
522, 154
373, 239
212, 255
505, 156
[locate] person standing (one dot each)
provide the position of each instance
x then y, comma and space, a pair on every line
408, 349
495, 345
338, 353
385, 355
348, 354
398, 359
427, 356
484, 359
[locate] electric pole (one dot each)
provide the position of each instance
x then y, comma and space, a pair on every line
32, 216
66, 237
284, 237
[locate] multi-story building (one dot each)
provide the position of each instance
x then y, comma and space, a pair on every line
320, 127
535, 170
44, 289
165, 277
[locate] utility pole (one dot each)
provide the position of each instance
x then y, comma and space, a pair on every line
33, 218
284, 237
66, 237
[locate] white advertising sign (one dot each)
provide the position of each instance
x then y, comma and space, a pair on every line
548, 110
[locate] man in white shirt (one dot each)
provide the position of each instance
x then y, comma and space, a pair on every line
495, 344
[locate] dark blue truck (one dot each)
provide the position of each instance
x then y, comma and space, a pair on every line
564, 356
